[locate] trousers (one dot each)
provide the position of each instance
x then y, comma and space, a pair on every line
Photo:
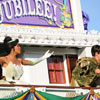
96, 82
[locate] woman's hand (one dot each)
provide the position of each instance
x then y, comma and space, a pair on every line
97, 71
86, 85
47, 54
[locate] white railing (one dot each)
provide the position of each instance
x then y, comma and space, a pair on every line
7, 91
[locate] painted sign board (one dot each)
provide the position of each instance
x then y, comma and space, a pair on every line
43, 13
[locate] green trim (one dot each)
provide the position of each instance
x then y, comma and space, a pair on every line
49, 96
48, 90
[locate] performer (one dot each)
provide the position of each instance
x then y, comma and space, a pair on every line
87, 70
11, 65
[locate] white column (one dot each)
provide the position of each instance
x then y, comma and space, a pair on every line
84, 52
66, 71
77, 15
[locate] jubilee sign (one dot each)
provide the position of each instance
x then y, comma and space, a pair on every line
43, 13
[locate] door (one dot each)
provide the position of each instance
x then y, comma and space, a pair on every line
71, 63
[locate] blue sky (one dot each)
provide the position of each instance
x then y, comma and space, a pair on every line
92, 8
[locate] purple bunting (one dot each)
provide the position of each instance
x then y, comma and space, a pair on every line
26, 97
37, 96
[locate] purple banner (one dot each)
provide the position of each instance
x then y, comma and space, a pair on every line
47, 13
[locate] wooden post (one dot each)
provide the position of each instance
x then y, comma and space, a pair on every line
32, 90
91, 91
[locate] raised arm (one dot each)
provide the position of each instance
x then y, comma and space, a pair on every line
33, 62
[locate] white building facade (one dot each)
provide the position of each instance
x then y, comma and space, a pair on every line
68, 45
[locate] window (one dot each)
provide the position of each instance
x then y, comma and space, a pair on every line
56, 69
